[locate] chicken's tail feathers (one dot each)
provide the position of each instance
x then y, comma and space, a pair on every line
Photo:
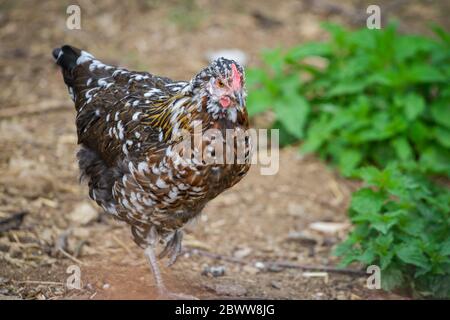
67, 57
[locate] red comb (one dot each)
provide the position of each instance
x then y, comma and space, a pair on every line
236, 77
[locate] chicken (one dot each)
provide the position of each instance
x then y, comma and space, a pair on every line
133, 128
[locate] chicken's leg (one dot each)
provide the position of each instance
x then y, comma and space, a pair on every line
162, 290
150, 254
173, 248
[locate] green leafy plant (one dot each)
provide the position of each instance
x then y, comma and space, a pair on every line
402, 224
367, 97
376, 104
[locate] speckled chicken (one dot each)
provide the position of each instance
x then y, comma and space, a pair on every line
129, 126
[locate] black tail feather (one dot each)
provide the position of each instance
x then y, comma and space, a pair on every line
56, 53
66, 56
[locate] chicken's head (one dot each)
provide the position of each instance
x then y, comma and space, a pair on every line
222, 82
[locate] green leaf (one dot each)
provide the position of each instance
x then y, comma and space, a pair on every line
409, 46
435, 159
425, 73
292, 111
445, 248
386, 259
413, 227
343, 248
370, 175
367, 201
347, 88
414, 105
402, 148
412, 254
259, 101
349, 258
367, 257
349, 159
309, 49
443, 136
364, 39
440, 111
274, 59
384, 242
255, 77
418, 133
384, 226
318, 133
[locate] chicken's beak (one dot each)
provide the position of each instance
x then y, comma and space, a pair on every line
240, 99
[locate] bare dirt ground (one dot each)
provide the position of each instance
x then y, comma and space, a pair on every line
263, 219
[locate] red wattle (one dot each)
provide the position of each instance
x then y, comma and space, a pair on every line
225, 101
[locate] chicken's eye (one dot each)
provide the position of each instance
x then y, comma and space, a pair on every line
220, 84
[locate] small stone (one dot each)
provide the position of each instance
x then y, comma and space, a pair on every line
276, 285
260, 265
106, 286
329, 227
242, 253
215, 271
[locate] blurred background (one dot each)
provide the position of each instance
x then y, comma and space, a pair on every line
360, 77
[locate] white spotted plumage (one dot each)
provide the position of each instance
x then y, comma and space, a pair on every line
126, 121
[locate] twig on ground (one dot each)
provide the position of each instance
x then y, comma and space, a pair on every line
68, 255
49, 283
292, 265
277, 264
